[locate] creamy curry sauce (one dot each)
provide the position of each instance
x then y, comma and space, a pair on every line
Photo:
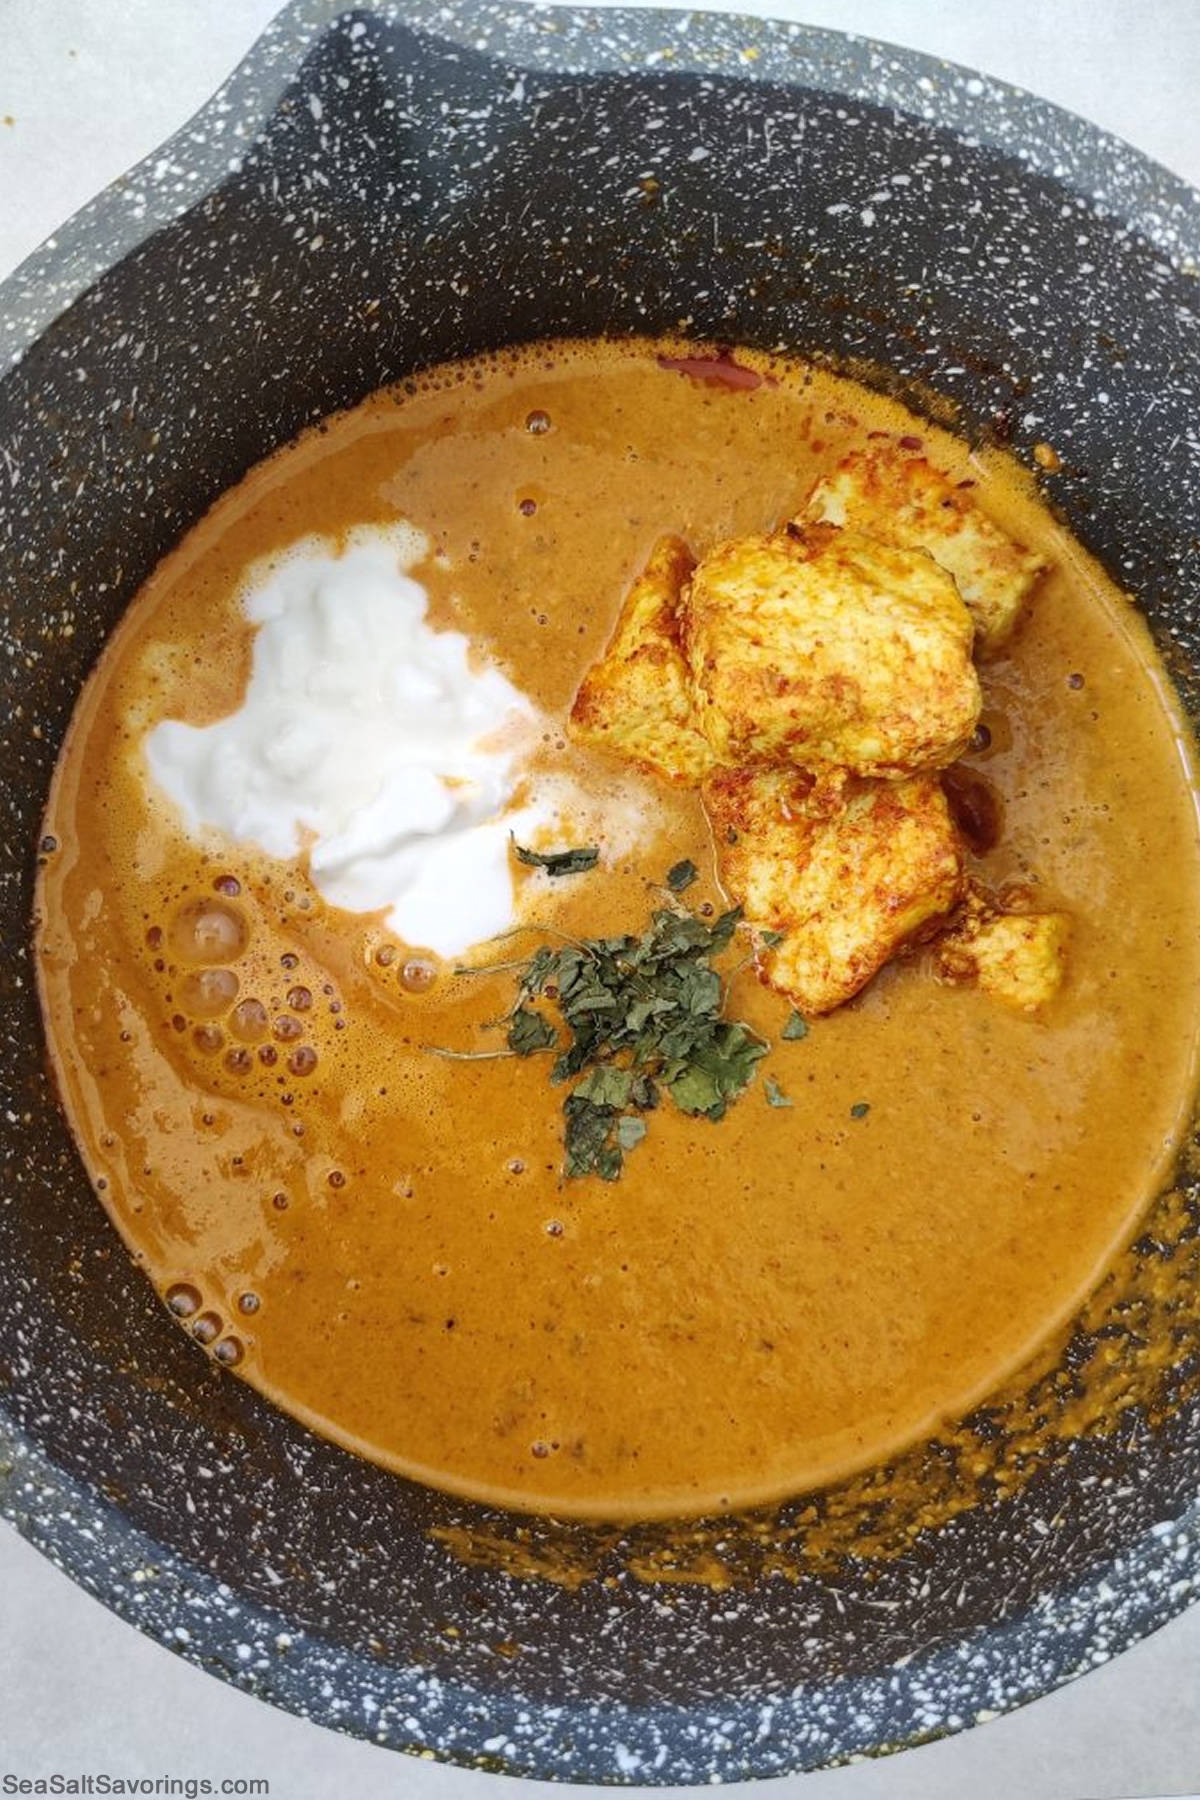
381, 1241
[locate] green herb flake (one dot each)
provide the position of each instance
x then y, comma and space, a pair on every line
529, 1031
681, 875
860, 1109
775, 1094
630, 1131
717, 1071
641, 1017
607, 1086
796, 1028
586, 1135
559, 862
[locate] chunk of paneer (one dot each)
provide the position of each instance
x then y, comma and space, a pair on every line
826, 649
904, 500
1020, 958
636, 701
847, 887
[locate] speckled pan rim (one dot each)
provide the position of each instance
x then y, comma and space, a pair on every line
260, 1653
165, 1595
1107, 171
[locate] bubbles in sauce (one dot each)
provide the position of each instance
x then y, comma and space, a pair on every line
208, 1328
418, 974
249, 1020
183, 1299
208, 931
207, 993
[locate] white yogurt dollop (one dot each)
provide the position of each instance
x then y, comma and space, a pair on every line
368, 738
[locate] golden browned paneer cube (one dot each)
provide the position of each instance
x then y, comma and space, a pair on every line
847, 888
1020, 958
636, 701
826, 649
903, 500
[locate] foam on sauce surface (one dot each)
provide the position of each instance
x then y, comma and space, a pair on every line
380, 1240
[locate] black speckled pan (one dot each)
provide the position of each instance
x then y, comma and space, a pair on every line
375, 190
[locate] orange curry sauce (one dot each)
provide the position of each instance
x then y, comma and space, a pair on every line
380, 1240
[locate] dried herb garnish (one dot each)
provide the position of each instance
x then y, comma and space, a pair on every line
681, 875
559, 862
642, 1019
796, 1028
529, 1031
775, 1094
860, 1109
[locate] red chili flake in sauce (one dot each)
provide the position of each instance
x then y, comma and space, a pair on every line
716, 371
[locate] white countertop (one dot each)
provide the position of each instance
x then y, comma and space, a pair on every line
87, 87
